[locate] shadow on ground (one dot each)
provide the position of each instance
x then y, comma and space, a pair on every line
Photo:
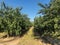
47, 39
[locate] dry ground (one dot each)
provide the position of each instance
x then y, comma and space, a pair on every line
27, 39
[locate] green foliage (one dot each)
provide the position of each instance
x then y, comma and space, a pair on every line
50, 21
12, 21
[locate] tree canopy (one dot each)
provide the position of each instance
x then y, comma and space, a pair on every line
49, 23
13, 21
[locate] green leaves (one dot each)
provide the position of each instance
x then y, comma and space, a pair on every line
12, 21
50, 21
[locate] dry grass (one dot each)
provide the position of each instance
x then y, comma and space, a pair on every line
27, 39
2, 34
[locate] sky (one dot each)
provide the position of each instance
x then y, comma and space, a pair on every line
30, 7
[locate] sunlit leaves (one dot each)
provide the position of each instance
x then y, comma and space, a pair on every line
12, 21
50, 21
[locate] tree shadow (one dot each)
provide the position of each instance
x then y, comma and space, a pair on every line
47, 39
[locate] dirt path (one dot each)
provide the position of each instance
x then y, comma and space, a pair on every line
27, 39
13, 42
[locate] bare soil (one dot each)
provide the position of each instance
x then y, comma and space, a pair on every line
27, 39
